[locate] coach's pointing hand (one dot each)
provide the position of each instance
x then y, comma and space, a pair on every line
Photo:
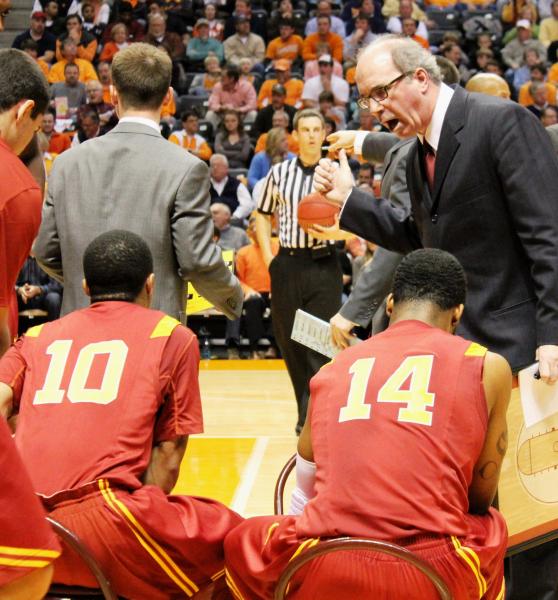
334, 181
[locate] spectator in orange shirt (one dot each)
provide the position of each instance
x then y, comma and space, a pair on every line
538, 75
254, 278
69, 52
409, 29
85, 41
287, 46
292, 86
105, 77
31, 48
309, 48
280, 119
189, 138
57, 142
119, 41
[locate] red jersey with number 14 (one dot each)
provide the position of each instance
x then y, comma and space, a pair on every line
96, 389
398, 423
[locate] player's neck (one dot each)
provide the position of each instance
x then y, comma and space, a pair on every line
425, 313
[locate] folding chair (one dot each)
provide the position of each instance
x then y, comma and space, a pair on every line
344, 544
75, 544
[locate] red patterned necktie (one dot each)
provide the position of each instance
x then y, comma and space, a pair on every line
430, 164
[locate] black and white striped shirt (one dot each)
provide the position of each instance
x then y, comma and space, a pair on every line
285, 186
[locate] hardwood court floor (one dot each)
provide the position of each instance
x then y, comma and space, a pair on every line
249, 414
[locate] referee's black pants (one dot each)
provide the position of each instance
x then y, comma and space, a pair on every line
315, 286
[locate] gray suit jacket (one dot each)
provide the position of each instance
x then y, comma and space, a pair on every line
374, 281
132, 178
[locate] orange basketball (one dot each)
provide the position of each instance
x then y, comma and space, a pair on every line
314, 209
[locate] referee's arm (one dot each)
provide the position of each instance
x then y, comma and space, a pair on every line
266, 206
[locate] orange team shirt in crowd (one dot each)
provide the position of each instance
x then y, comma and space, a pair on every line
169, 108
310, 46
84, 52
436, 488
420, 40
290, 49
129, 382
525, 97
27, 540
44, 66
59, 142
553, 74
48, 159
193, 143
86, 71
109, 51
21, 202
250, 267
260, 144
106, 94
350, 76
294, 89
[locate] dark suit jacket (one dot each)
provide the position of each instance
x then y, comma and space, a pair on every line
494, 206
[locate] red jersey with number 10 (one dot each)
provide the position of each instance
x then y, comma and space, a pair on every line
398, 423
97, 389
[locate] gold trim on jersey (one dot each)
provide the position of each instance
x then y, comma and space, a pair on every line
471, 558
29, 552
232, 586
164, 327
34, 331
29, 558
475, 350
502, 591
272, 527
149, 544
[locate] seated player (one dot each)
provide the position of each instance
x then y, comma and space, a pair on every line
107, 397
28, 545
403, 442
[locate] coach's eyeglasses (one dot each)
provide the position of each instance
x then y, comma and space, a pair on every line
379, 94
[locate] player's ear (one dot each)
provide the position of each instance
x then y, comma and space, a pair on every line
456, 315
24, 110
389, 304
85, 288
150, 284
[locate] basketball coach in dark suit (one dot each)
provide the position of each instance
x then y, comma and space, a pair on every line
132, 178
483, 181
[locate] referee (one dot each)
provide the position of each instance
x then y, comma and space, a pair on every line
305, 273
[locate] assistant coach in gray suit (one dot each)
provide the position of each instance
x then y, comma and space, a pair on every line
134, 179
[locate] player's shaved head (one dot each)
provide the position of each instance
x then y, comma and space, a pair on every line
116, 266
430, 275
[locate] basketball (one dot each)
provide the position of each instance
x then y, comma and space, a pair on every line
314, 209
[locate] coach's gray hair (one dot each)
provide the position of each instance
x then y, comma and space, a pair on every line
407, 55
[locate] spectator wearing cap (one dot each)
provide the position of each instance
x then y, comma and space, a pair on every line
189, 138
45, 41
245, 44
325, 81
69, 51
311, 68
86, 42
324, 8
282, 120
202, 45
231, 93
125, 14
324, 35
538, 75
157, 35
288, 46
292, 86
514, 51
361, 37
119, 41
264, 120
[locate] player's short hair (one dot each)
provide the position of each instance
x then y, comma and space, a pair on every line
22, 79
116, 265
430, 275
141, 75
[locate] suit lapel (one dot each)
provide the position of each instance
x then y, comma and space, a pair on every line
449, 142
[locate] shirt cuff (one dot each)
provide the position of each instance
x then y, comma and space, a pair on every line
359, 141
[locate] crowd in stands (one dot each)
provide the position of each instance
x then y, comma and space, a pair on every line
242, 69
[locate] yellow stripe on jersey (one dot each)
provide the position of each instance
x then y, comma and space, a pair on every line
149, 544
306, 544
35, 552
232, 586
24, 562
471, 558
502, 591
34, 331
270, 531
475, 350
218, 575
164, 327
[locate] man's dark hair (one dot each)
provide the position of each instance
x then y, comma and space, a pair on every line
22, 79
287, 22
326, 96
232, 71
366, 166
70, 65
30, 44
93, 115
430, 275
116, 265
73, 16
322, 16
187, 114
539, 67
